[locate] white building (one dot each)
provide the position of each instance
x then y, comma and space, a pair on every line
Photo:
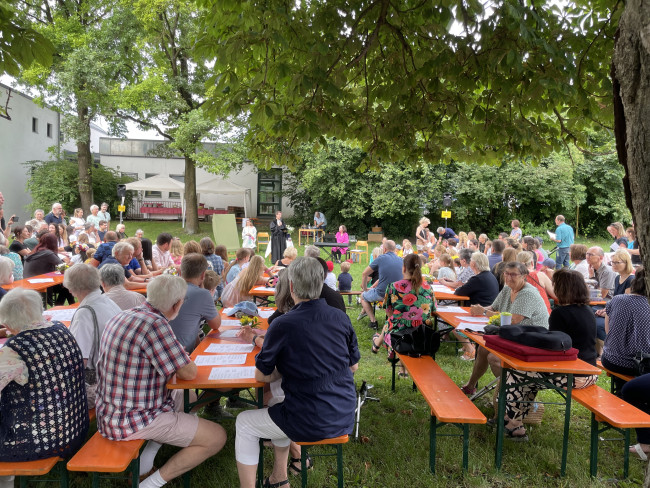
27, 131
132, 157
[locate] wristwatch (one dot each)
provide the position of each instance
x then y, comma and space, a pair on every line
253, 341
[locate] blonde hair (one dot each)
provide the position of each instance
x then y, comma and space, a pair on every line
620, 230
445, 260
251, 275
176, 248
192, 246
376, 252
211, 280
471, 235
462, 239
77, 211
424, 221
345, 267
526, 258
624, 256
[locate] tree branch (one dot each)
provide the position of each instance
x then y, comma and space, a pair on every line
5, 113
144, 123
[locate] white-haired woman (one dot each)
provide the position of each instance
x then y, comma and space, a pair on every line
422, 234
26, 434
95, 310
94, 217
103, 213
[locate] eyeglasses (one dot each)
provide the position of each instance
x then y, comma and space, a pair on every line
617, 262
511, 275
590, 254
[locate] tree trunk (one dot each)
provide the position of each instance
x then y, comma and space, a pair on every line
84, 161
191, 204
631, 76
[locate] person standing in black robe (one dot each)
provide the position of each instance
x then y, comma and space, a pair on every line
278, 238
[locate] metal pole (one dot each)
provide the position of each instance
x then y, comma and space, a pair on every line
121, 211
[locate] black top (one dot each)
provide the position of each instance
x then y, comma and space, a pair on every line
17, 246
41, 262
482, 288
579, 322
333, 298
619, 288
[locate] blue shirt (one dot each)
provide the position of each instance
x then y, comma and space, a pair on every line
103, 251
389, 267
234, 270
449, 233
312, 346
112, 260
564, 234
345, 282
198, 306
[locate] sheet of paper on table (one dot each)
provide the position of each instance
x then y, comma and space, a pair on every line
41, 280
451, 309
442, 288
232, 373
62, 315
471, 327
265, 314
220, 360
229, 348
263, 288
232, 333
231, 322
479, 320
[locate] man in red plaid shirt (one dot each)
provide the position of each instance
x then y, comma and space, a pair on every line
138, 355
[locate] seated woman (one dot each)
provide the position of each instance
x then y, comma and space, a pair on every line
628, 329
44, 259
572, 316
408, 302
637, 392
530, 244
238, 290
341, 236
522, 301
249, 235
578, 257
311, 341
536, 278
26, 434
482, 288
290, 253
509, 256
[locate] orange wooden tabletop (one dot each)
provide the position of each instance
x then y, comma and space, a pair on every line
63, 307
574, 367
257, 291
449, 296
24, 283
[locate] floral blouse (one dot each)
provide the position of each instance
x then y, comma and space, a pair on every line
406, 308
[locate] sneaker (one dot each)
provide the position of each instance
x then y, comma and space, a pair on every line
374, 325
362, 315
467, 390
468, 356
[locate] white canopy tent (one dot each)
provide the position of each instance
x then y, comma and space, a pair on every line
224, 187
160, 183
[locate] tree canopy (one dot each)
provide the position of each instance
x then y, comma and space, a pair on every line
413, 80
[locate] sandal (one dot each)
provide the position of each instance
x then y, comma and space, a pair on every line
402, 374
468, 390
293, 469
268, 484
640, 453
375, 347
510, 434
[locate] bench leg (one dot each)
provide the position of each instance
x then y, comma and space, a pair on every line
465, 447
593, 451
63, 475
339, 464
567, 421
303, 465
392, 384
626, 454
498, 455
135, 474
23, 481
433, 430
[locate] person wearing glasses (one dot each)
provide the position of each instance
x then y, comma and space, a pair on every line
520, 299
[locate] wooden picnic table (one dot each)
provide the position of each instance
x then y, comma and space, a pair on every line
307, 233
550, 370
27, 283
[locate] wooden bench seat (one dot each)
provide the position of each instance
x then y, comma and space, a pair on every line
26, 470
101, 455
449, 405
619, 415
612, 375
334, 441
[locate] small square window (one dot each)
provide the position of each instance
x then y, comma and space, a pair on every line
35, 125
49, 131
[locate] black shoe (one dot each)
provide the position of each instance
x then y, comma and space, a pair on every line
374, 325
237, 403
216, 412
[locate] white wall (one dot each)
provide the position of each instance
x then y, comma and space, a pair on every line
247, 178
19, 144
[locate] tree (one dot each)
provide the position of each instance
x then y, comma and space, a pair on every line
93, 41
169, 91
413, 80
20, 44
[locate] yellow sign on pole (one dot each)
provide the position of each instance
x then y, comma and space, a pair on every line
121, 208
446, 214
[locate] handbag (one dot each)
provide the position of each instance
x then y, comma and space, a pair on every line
417, 341
90, 373
536, 336
642, 363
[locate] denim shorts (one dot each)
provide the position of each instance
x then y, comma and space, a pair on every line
372, 295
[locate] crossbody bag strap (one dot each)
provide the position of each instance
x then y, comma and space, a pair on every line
95, 348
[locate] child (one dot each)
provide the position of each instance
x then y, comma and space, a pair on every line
446, 269
80, 255
211, 282
407, 247
330, 279
89, 254
345, 280
423, 261
176, 251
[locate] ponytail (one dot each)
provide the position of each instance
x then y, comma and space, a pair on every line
413, 266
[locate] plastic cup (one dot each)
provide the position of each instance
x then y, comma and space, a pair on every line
506, 320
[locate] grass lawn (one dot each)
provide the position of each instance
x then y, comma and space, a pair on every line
394, 448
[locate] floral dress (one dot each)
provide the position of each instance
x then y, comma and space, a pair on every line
406, 308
